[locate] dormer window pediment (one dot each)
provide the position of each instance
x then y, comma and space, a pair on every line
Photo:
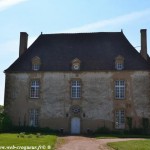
36, 63
119, 62
76, 64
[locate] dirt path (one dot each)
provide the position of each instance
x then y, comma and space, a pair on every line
85, 143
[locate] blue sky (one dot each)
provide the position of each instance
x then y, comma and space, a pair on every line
54, 16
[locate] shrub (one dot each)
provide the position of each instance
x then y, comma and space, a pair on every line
145, 123
35, 130
129, 122
137, 131
102, 130
5, 122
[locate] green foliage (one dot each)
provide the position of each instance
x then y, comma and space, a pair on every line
129, 122
145, 123
1, 108
5, 123
131, 145
36, 130
137, 131
102, 130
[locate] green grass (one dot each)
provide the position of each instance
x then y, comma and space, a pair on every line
32, 140
106, 136
131, 145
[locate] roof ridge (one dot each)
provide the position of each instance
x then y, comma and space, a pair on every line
75, 33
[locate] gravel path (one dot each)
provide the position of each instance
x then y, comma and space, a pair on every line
85, 143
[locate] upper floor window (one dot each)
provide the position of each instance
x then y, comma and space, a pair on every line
35, 89
76, 64
120, 89
35, 67
120, 119
119, 66
75, 89
33, 117
36, 63
119, 62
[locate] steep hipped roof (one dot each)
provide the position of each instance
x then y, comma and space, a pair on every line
96, 51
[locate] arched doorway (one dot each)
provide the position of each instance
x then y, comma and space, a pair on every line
75, 125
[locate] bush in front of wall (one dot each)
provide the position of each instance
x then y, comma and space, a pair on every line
102, 130
145, 123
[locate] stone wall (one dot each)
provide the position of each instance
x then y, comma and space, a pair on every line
97, 101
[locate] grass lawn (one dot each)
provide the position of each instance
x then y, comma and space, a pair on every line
131, 145
43, 142
108, 136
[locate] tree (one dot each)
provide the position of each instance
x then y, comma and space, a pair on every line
5, 121
1, 108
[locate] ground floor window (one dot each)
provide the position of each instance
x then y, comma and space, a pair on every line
33, 117
120, 119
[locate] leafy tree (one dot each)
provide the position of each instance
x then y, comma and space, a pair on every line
1, 108
5, 121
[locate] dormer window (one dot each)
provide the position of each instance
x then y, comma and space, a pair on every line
36, 63
76, 64
119, 63
119, 66
35, 67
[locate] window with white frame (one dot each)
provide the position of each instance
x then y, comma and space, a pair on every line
33, 117
35, 67
119, 66
119, 62
120, 119
35, 89
120, 89
36, 63
75, 89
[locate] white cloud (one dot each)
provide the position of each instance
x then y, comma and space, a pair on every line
111, 22
4, 4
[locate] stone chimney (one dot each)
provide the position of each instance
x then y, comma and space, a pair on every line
143, 44
23, 42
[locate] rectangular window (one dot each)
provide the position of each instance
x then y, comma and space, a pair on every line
75, 89
119, 66
120, 89
120, 119
33, 117
36, 67
35, 89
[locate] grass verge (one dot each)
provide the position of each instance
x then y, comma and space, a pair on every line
106, 136
28, 140
131, 145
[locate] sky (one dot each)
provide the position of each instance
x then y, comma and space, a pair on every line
67, 16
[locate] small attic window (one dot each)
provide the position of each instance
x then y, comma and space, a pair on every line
36, 63
76, 64
119, 62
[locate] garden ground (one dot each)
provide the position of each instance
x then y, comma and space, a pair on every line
51, 142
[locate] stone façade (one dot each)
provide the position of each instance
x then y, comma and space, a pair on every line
97, 103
